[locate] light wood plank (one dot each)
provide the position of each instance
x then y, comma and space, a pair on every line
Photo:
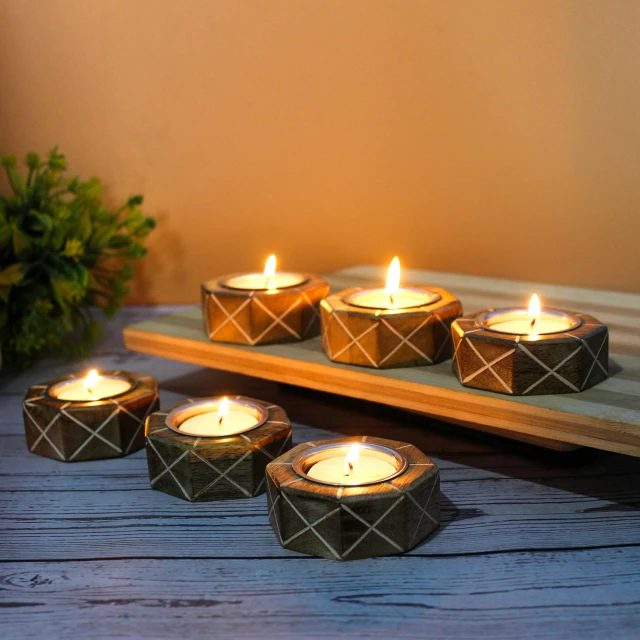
606, 416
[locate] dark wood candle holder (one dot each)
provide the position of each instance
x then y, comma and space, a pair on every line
262, 316
201, 468
565, 362
349, 522
385, 338
89, 430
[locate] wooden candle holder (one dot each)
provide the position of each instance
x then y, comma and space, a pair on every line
349, 522
201, 468
551, 363
263, 316
385, 338
72, 431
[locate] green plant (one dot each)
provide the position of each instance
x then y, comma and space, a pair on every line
62, 255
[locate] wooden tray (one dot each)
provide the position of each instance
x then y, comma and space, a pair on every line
606, 416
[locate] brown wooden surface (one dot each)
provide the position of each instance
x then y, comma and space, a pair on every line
606, 416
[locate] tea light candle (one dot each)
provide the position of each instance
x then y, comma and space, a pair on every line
387, 327
348, 467
222, 418
90, 388
345, 489
262, 308
268, 280
347, 464
392, 296
530, 322
90, 417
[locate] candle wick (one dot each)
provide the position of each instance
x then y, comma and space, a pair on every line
533, 321
393, 304
350, 469
220, 419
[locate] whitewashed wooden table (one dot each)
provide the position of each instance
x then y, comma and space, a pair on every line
533, 544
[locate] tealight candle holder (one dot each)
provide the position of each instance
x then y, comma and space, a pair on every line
89, 418
530, 351
389, 327
215, 448
262, 308
353, 498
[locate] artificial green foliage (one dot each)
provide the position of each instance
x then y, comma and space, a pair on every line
62, 256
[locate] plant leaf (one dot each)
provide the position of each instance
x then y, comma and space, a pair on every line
12, 274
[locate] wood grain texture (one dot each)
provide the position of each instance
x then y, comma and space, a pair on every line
201, 469
388, 338
606, 416
264, 316
73, 431
567, 362
532, 544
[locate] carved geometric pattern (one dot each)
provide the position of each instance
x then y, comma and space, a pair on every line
260, 317
567, 362
206, 468
345, 523
388, 338
72, 431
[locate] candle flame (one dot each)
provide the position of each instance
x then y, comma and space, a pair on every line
269, 269
393, 279
534, 311
351, 458
91, 379
223, 410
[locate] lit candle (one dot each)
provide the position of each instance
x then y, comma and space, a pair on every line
222, 418
90, 388
532, 321
392, 296
351, 466
269, 279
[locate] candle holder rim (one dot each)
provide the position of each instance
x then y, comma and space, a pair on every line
348, 295
191, 409
221, 282
107, 374
298, 463
483, 319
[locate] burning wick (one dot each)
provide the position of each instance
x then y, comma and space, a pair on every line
223, 409
350, 458
393, 280
534, 311
90, 381
269, 270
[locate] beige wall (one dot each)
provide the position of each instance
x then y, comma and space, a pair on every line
480, 136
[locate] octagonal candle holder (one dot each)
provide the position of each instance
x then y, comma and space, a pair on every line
262, 308
71, 418
520, 352
381, 338
352, 498
215, 448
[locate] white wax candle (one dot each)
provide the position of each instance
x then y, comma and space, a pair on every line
365, 469
400, 299
546, 323
257, 281
104, 387
238, 420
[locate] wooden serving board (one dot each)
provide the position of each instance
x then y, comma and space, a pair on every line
606, 416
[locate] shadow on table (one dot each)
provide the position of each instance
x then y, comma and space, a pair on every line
601, 475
